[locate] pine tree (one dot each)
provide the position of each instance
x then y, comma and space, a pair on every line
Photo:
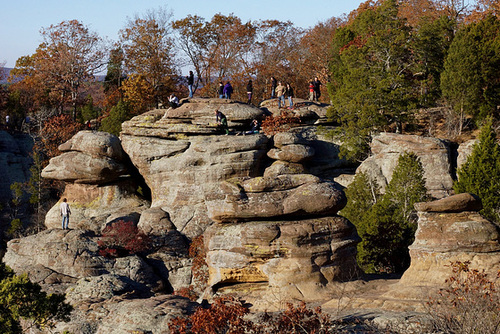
480, 174
386, 223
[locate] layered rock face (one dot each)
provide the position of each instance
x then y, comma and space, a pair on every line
99, 187
433, 153
14, 161
451, 229
186, 160
303, 248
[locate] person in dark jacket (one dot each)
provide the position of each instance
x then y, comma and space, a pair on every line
317, 88
228, 90
190, 79
249, 91
220, 90
273, 87
221, 121
289, 94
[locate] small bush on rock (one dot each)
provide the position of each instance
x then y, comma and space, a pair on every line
282, 123
199, 270
227, 315
121, 239
469, 304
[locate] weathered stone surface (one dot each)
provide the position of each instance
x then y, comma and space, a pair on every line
455, 203
299, 252
99, 288
62, 256
95, 143
305, 200
282, 168
150, 315
309, 112
182, 174
14, 162
89, 157
92, 206
280, 182
443, 238
194, 117
464, 150
125, 315
433, 153
80, 167
173, 266
155, 221
290, 138
291, 153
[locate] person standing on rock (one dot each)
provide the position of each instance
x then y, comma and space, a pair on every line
190, 79
280, 93
289, 94
317, 89
228, 90
221, 121
220, 90
273, 87
65, 212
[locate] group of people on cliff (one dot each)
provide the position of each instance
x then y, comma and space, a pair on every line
278, 90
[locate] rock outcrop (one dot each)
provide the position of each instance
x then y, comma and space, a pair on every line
449, 230
433, 153
99, 186
14, 161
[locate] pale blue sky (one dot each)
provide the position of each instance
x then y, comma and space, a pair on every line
21, 20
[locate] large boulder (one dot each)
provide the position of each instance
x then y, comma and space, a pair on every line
89, 157
292, 196
433, 153
193, 117
183, 173
306, 253
446, 234
59, 258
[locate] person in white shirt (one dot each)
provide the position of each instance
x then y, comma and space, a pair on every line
65, 212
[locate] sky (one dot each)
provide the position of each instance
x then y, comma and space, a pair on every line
22, 20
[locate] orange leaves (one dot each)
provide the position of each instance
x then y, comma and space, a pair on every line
139, 93
272, 125
56, 131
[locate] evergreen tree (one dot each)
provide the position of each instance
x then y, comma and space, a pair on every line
471, 80
480, 174
370, 70
386, 223
20, 298
117, 115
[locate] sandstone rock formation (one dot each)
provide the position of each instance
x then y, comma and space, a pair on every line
99, 186
449, 230
59, 258
14, 161
433, 153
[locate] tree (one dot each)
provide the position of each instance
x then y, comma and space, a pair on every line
149, 55
20, 298
371, 78
386, 223
480, 174
118, 114
194, 38
471, 81
69, 55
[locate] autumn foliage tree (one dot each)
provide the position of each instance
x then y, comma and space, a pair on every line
69, 56
148, 58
